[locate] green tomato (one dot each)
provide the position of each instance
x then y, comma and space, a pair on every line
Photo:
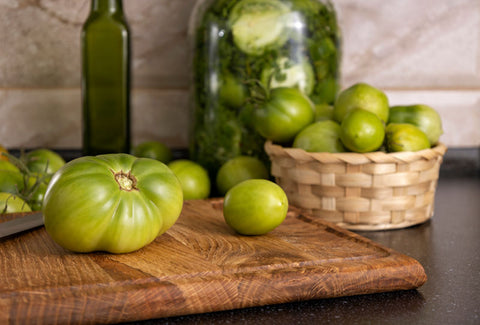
424, 117
259, 25
362, 131
153, 150
232, 92
362, 96
239, 169
11, 181
283, 114
325, 91
405, 137
10, 203
37, 188
323, 48
6, 165
44, 161
323, 136
115, 202
323, 112
255, 207
193, 178
287, 73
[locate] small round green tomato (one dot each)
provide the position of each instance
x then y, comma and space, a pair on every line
11, 181
283, 115
37, 187
323, 112
44, 161
323, 136
193, 178
10, 203
405, 137
6, 165
239, 169
362, 96
115, 202
232, 92
153, 150
362, 131
255, 207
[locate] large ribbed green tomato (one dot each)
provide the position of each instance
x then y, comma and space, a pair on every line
116, 203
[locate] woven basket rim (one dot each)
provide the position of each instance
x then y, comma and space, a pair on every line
353, 157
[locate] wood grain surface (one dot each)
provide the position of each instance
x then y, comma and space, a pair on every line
200, 265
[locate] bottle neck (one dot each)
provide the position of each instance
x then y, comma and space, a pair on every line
107, 6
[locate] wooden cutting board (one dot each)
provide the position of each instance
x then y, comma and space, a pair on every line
200, 265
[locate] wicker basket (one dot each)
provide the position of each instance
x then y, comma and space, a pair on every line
371, 191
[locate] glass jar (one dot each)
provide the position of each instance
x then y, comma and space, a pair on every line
239, 44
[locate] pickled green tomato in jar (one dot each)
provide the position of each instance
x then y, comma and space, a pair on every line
241, 46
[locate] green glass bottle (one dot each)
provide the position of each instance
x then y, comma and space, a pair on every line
106, 79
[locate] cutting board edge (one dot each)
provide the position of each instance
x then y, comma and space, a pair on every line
147, 298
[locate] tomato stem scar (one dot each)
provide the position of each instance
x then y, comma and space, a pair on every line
126, 181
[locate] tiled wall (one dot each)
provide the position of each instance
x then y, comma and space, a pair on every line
417, 51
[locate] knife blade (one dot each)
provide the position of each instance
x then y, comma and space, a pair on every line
20, 224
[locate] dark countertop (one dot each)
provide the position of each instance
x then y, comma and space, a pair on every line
448, 247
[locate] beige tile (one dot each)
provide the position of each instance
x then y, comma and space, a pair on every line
40, 118
410, 43
39, 47
41, 42
159, 30
161, 115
